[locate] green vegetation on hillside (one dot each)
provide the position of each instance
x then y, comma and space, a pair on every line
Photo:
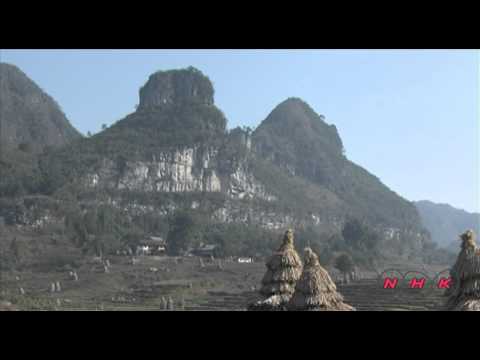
30, 119
298, 140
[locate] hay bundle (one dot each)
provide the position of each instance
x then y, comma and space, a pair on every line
284, 268
464, 295
316, 290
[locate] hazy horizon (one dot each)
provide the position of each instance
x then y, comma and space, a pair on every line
409, 117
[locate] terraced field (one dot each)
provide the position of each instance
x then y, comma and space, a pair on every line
368, 295
364, 295
192, 287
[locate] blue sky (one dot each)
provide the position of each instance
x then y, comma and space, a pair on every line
411, 117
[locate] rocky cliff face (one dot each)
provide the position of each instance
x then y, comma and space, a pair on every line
184, 170
30, 119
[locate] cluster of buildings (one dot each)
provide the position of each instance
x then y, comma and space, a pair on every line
157, 246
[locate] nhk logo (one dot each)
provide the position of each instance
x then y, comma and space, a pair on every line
392, 279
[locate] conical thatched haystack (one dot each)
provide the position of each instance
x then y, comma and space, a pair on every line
283, 270
316, 290
464, 294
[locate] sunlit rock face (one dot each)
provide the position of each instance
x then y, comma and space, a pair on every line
176, 171
185, 170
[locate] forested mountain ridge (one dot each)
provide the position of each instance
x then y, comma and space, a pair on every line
299, 140
30, 119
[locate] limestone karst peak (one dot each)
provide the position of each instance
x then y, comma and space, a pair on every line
176, 86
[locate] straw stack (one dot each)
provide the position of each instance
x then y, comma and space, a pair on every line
284, 268
316, 291
464, 294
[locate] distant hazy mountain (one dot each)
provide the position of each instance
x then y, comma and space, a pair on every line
445, 222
